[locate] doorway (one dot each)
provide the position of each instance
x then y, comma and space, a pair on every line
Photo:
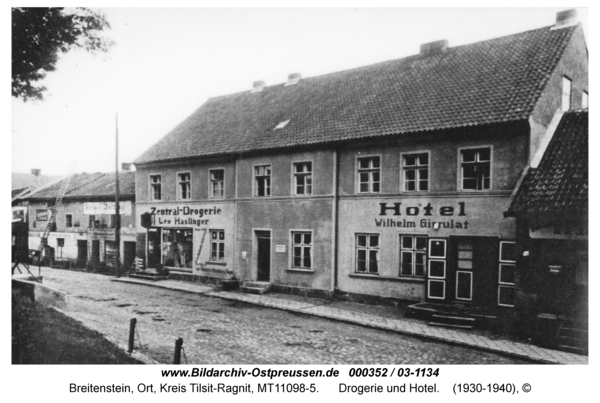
82, 251
263, 253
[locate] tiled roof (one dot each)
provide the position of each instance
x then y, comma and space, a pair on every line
498, 80
20, 180
557, 190
100, 185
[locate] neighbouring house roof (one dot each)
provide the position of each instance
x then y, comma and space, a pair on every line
498, 80
556, 192
22, 181
96, 185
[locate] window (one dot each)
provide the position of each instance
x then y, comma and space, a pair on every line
92, 221
302, 250
584, 99
566, 94
475, 168
69, 220
216, 183
413, 250
369, 175
367, 253
177, 246
185, 186
217, 245
60, 244
110, 253
415, 169
506, 274
303, 178
262, 178
155, 187
112, 221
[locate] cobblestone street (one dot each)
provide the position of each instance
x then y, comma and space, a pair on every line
217, 331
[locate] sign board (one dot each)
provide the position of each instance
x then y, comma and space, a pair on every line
41, 215
98, 208
280, 248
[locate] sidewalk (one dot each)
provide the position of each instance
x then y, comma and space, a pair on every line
403, 326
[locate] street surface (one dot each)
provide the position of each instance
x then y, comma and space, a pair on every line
217, 331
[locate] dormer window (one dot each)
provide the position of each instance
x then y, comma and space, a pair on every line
282, 125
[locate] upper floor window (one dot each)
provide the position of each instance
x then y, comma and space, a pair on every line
415, 169
185, 185
584, 99
476, 168
155, 187
369, 175
303, 178
216, 183
262, 178
217, 245
69, 220
367, 253
92, 221
302, 250
566, 94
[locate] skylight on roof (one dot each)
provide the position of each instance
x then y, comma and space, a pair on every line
282, 124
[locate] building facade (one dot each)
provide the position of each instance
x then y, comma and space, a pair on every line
388, 180
84, 231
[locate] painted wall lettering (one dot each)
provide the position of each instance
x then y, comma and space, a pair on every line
396, 209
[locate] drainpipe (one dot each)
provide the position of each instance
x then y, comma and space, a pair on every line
334, 224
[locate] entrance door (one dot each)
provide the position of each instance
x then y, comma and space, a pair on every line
95, 251
82, 251
154, 251
128, 254
263, 262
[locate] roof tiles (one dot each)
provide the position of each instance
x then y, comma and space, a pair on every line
99, 185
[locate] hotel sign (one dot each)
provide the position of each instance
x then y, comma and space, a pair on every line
98, 208
419, 216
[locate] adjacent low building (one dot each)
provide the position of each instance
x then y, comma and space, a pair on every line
384, 181
84, 232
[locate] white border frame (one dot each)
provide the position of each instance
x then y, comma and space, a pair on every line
445, 240
471, 286
507, 287
429, 269
443, 297
500, 252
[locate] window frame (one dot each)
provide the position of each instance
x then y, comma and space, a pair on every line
311, 246
295, 175
403, 170
255, 180
60, 245
152, 184
211, 183
217, 241
461, 171
179, 182
413, 251
69, 220
367, 248
508, 263
357, 171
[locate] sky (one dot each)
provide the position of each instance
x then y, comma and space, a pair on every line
166, 62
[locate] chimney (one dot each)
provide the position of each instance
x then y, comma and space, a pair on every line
565, 18
433, 48
293, 78
258, 86
36, 172
126, 166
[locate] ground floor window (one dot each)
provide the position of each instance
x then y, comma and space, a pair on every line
110, 252
177, 246
413, 250
367, 253
302, 250
217, 245
60, 244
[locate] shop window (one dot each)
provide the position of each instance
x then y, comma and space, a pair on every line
177, 246
584, 99
155, 187
369, 175
415, 169
413, 252
217, 245
303, 178
69, 220
476, 168
302, 250
506, 274
367, 253
184, 186
110, 253
60, 244
262, 180
566, 93
216, 183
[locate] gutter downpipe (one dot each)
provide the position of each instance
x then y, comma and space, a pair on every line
334, 224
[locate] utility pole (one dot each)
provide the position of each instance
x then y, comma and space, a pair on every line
117, 209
